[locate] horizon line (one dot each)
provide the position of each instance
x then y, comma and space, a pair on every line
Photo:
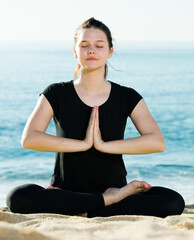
135, 41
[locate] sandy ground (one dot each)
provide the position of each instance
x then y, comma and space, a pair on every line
54, 227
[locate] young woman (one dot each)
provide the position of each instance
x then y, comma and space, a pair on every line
90, 115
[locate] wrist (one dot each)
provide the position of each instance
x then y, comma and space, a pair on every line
101, 147
86, 145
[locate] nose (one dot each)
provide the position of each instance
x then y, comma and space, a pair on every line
91, 49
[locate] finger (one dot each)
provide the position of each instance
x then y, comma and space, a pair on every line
92, 117
95, 119
97, 133
96, 116
49, 187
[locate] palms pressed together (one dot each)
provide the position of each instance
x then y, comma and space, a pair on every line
94, 139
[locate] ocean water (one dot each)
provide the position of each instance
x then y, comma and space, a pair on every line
163, 73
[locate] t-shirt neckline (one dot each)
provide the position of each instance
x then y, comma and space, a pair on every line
86, 105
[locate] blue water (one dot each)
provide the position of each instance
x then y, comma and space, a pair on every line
163, 73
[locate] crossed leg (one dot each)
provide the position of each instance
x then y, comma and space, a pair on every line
136, 198
158, 202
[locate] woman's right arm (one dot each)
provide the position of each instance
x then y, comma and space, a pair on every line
35, 138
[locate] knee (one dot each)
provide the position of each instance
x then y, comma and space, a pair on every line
13, 200
18, 199
179, 204
176, 205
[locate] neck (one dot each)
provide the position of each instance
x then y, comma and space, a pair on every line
92, 81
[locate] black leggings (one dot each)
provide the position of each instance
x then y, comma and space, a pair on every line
31, 198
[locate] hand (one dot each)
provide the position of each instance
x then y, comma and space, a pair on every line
51, 187
90, 131
98, 142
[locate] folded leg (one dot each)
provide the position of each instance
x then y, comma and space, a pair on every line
158, 201
32, 198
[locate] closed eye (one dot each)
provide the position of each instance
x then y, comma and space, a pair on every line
84, 46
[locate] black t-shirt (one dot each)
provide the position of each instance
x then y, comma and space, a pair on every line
91, 170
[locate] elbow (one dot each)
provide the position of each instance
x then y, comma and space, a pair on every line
25, 143
29, 140
161, 145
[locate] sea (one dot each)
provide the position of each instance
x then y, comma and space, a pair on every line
162, 72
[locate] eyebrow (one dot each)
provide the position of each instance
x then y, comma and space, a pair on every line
95, 41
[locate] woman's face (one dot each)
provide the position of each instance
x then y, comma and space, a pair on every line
92, 48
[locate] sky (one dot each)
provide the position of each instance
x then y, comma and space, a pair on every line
128, 20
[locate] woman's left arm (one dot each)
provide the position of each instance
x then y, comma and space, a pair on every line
150, 141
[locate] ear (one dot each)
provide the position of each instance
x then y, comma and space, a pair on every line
110, 52
74, 50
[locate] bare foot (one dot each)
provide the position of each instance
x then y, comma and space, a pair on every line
113, 195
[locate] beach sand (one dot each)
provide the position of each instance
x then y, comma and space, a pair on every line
54, 226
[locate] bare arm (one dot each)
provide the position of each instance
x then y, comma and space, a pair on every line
150, 141
34, 136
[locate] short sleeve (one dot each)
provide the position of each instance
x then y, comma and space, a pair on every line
133, 97
51, 94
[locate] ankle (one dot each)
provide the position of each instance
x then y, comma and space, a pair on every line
111, 196
106, 199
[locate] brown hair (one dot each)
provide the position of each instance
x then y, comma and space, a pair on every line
92, 22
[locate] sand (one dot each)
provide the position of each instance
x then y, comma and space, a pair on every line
54, 226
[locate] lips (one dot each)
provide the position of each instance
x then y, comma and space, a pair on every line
91, 59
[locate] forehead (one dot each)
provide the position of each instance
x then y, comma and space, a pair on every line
91, 34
